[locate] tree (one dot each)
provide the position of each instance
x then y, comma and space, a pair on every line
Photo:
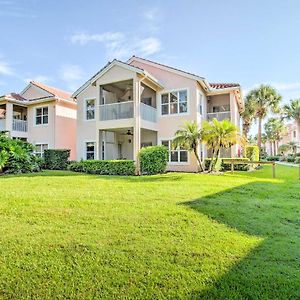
291, 111
275, 129
293, 146
248, 116
265, 99
217, 135
189, 138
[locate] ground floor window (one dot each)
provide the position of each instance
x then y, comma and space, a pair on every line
39, 149
175, 155
90, 148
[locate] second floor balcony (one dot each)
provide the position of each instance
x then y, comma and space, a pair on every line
125, 110
220, 116
17, 125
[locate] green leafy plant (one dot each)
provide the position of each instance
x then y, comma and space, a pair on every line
252, 153
56, 159
104, 167
153, 159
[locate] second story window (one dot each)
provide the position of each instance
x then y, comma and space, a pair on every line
41, 115
174, 103
90, 109
200, 104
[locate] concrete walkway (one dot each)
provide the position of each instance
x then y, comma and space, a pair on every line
286, 164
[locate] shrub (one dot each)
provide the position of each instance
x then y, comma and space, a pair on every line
290, 158
218, 166
104, 167
17, 156
297, 160
56, 159
252, 152
153, 159
273, 158
241, 165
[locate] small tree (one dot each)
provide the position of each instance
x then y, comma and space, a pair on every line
218, 135
189, 138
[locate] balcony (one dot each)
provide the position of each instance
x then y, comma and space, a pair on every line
124, 110
220, 116
19, 125
148, 113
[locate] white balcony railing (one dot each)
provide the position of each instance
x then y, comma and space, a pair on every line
2, 124
116, 111
19, 125
220, 116
148, 113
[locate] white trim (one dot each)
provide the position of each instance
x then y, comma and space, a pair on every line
175, 163
158, 101
37, 88
34, 116
84, 114
40, 144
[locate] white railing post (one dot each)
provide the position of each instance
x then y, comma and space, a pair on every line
116, 111
19, 125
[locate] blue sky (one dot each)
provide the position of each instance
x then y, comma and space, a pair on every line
63, 43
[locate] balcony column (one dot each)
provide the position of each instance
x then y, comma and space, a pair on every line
137, 122
9, 117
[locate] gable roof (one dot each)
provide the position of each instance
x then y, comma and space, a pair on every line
53, 91
13, 96
107, 67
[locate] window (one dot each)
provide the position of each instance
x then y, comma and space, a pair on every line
41, 116
90, 109
90, 150
294, 134
39, 149
175, 155
174, 103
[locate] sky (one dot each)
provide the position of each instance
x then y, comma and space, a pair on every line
63, 43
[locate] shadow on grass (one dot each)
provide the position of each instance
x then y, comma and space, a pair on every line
268, 210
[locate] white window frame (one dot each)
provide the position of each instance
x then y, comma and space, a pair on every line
200, 103
169, 104
41, 153
85, 149
85, 109
42, 115
176, 150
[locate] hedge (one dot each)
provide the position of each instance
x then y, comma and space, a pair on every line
297, 160
252, 152
153, 159
217, 167
56, 159
273, 158
225, 164
104, 167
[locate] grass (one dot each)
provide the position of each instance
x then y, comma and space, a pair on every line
173, 236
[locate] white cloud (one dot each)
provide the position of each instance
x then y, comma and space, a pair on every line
39, 78
118, 44
72, 75
5, 68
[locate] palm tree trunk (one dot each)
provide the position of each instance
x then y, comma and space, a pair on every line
298, 133
200, 165
212, 161
217, 157
259, 133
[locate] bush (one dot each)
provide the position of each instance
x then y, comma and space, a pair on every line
252, 152
273, 158
17, 156
104, 167
242, 164
290, 158
297, 160
56, 159
218, 166
153, 159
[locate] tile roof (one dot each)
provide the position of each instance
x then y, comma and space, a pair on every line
14, 96
154, 62
223, 85
54, 91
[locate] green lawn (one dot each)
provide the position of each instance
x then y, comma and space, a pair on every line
173, 236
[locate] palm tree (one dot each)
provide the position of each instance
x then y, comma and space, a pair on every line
265, 99
293, 146
291, 111
218, 135
275, 129
248, 116
189, 138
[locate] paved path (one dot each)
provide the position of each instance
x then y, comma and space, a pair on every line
286, 164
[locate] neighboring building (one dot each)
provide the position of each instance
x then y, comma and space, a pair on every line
291, 135
126, 106
42, 115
